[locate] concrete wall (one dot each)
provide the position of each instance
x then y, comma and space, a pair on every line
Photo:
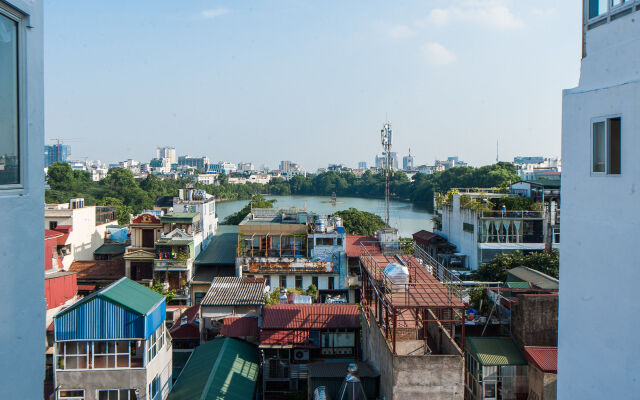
541, 386
534, 321
412, 376
600, 224
452, 222
22, 342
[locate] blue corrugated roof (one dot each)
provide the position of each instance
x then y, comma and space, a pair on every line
123, 310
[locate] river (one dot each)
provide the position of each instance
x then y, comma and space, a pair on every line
406, 217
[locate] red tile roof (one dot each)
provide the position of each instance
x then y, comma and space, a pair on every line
544, 358
188, 328
240, 327
353, 244
49, 234
297, 337
86, 288
314, 316
98, 270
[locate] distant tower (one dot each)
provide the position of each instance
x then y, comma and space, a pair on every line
385, 140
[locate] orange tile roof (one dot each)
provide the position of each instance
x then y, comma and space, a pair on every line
544, 358
314, 316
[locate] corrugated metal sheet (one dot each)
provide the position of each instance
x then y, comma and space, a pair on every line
544, 358
59, 288
239, 327
491, 351
124, 310
234, 291
222, 249
99, 319
285, 337
314, 316
223, 368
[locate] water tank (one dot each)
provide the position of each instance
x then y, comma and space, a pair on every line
396, 276
321, 225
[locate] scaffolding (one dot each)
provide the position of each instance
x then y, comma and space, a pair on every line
405, 311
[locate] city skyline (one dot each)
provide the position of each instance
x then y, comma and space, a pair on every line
220, 63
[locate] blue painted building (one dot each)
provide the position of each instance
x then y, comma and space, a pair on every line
113, 344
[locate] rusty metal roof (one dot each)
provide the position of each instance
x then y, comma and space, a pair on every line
294, 266
240, 327
314, 316
284, 338
353, 244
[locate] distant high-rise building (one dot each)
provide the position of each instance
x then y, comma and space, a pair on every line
56, 153
196, 162
167, 152
362, 165
246, 167
380, 161
407, 161
285, 166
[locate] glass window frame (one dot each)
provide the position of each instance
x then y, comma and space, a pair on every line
59, 394
606, 121
22, 22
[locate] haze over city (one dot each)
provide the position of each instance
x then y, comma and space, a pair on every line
263, 82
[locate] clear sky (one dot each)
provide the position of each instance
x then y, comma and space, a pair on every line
309, 81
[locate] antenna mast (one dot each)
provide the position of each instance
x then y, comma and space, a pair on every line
385, 140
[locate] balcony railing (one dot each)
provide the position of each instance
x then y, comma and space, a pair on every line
171, 263
522, 214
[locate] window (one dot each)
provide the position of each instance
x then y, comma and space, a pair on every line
331, 282
314, 281
283, 281
606, 146
198, 296
72, 355
112, 354
53, 225
597, 8
155, 343
298, 282
339, 242
9, 99
71, 395
267, 280
324, 242
154, 387
117, 394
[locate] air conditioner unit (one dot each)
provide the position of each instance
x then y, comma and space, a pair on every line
245, 268
301, 355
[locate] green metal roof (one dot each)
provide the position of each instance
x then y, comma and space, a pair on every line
547, 183
224, 368
184, 217
132, 295
495, 351
518, 285
111, 248
222, 249
125, 292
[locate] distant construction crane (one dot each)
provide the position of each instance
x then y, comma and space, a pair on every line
385, 139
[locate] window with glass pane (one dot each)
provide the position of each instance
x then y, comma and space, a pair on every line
9, 143
614, 146
599, 150
71, 394
597, 8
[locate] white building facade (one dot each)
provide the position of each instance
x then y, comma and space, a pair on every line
601, 220
21, 196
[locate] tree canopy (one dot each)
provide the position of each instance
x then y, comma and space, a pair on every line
257, 201
496, 269
358, 222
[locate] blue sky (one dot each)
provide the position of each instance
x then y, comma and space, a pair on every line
309, 81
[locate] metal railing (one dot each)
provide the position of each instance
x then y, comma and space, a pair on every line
519, 214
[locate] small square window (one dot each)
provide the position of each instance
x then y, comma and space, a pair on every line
606, 146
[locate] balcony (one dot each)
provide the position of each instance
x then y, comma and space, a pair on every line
522, 214
171, 264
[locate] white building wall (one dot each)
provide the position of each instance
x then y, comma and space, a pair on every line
599, 269
466, 242
22, 341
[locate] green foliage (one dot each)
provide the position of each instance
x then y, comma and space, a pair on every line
479, 300
273, 297
158, 287
257, 201
358, 222
122, 209
515, 203
496, 269
312, 291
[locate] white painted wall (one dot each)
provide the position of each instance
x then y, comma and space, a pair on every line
599, 270
466, 242
22, 341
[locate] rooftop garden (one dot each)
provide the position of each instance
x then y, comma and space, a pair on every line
510, 203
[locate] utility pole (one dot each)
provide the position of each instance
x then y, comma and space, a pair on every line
385, 140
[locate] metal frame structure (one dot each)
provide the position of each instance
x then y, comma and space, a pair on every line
404, 310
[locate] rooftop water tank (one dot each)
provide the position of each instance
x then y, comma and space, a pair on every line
397, 276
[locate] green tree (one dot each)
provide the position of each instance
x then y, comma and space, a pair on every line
496, 269
118, 179
60, 176
257, 201
122, 209
273, 297
223, 179
358, 222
